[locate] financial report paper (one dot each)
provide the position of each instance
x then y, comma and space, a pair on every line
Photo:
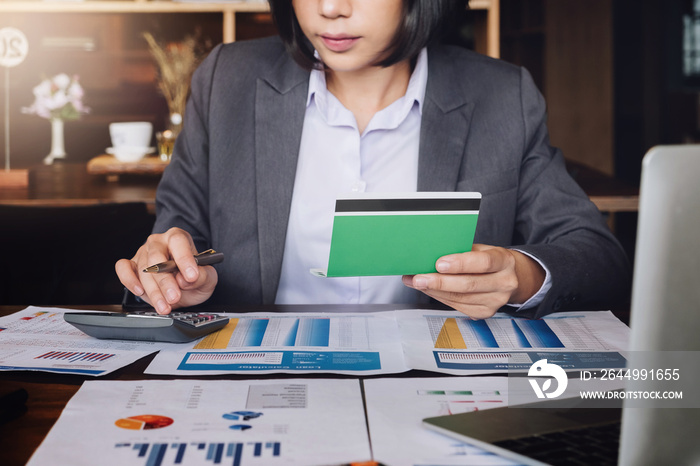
362, 343
38, 339
342, 343
195, 422
397, 341
396, 408
452, 343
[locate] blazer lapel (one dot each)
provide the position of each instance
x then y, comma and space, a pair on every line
280, 105
444, 126
279, 117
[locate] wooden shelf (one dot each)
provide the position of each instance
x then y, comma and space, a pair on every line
229, 10
122, 6
109, 165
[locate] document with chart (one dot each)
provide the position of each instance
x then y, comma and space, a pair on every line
452, 343
363, 343
396, 408
397, 341
38, 339
195, 422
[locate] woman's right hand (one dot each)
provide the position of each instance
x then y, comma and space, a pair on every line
189, 286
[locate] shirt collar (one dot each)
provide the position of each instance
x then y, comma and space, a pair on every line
415, 93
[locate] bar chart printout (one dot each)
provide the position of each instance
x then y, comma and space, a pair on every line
39, 339
276, 332
508, 333
229, 453
340, 343
450, 342
210, 422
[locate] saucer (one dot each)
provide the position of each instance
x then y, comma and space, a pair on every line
129, 154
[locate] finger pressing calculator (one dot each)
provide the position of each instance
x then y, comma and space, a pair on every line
176, 327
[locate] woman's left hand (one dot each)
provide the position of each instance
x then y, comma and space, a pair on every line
478, 283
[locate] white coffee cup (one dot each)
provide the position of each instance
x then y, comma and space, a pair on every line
131, 140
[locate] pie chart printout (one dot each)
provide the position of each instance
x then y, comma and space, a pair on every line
144, 422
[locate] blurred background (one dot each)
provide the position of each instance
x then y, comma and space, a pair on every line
613, 72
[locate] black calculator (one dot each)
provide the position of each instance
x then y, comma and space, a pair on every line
176, 327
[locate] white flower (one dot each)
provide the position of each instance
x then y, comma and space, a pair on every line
57, 101
58, 97
75, 91
61, 81
43, 90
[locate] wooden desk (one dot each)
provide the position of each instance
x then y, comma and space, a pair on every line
69, 184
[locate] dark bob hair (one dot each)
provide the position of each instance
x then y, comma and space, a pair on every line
424, 21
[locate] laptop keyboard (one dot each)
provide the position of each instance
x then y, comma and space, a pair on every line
597, 445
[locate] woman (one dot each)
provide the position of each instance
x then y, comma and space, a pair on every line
356, 97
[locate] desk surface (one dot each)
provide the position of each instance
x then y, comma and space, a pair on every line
66, 184
49, 393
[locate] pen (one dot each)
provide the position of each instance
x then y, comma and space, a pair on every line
207, 257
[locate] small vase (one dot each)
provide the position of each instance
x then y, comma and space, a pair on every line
166, 139
58, 150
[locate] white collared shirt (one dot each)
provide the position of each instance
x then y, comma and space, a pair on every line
334, 160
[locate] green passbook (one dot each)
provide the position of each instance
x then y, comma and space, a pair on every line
399, 234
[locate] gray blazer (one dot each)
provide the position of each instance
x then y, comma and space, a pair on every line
483, 129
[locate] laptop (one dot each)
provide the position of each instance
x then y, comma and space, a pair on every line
665, 318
